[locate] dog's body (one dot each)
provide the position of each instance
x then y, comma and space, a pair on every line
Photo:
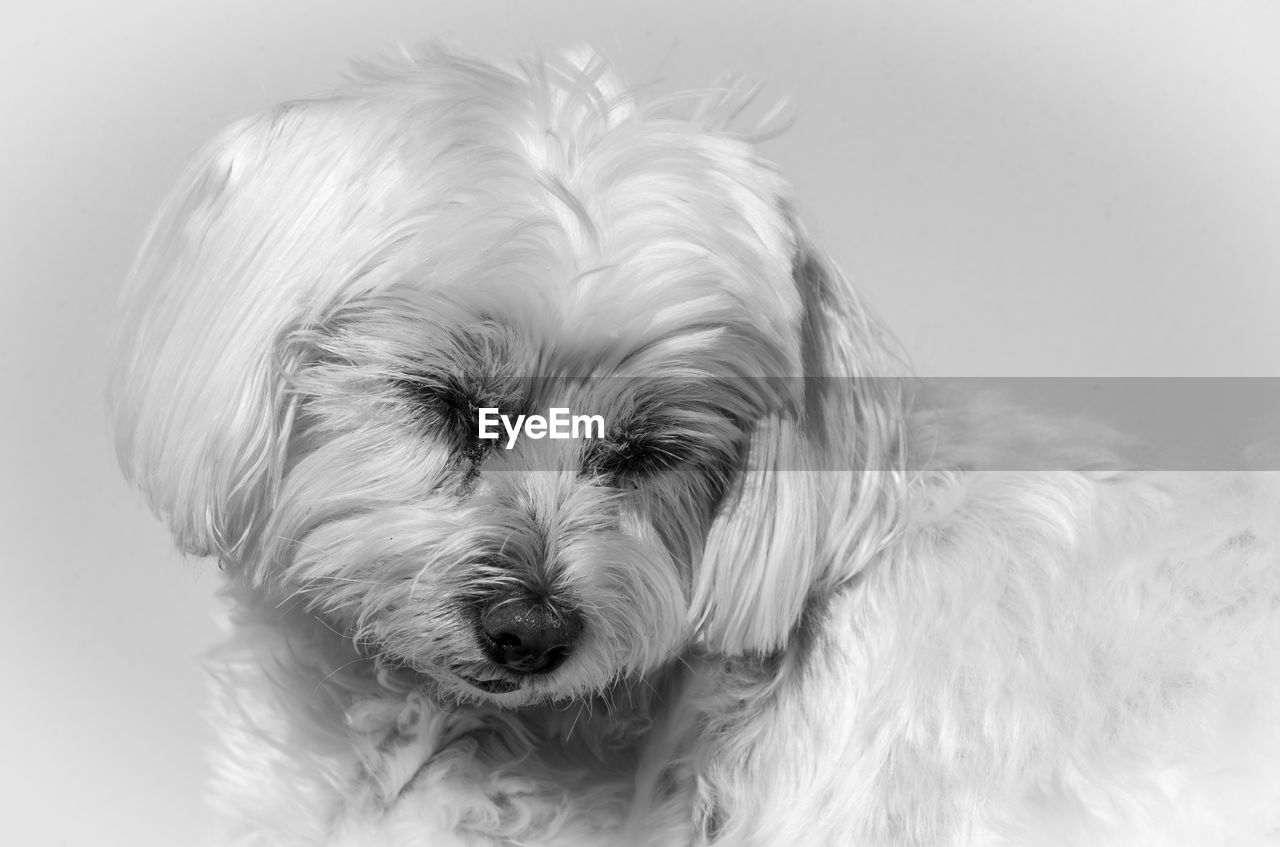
788, 599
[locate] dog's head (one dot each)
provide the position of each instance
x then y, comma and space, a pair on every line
338, 289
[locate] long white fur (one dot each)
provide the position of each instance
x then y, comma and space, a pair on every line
836, 631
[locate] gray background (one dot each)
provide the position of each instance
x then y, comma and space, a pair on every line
1022, 188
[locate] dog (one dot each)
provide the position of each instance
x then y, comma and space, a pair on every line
773, 591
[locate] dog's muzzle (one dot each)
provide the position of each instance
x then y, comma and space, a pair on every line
526, 635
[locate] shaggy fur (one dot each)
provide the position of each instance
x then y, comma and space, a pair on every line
806, 604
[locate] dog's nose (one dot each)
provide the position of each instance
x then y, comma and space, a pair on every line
525, 635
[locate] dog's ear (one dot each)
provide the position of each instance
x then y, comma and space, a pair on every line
809, 507
200, 361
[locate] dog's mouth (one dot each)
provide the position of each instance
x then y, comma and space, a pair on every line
493, 686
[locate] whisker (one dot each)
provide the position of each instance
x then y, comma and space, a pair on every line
339, 670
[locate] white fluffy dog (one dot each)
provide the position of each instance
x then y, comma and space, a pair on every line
783, 600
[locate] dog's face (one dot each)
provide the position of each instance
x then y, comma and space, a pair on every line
339, 289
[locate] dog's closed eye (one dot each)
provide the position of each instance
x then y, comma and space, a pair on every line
636, 450
655, 441
449, 407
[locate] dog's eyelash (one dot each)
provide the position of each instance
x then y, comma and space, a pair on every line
631, 454
451, 408
447, 404
658, 439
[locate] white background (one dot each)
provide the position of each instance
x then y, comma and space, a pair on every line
1084, 188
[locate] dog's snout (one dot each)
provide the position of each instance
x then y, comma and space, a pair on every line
526, 635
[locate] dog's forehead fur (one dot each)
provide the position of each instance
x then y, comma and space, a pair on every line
546, 199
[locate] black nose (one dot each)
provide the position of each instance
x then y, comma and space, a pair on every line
526, 635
